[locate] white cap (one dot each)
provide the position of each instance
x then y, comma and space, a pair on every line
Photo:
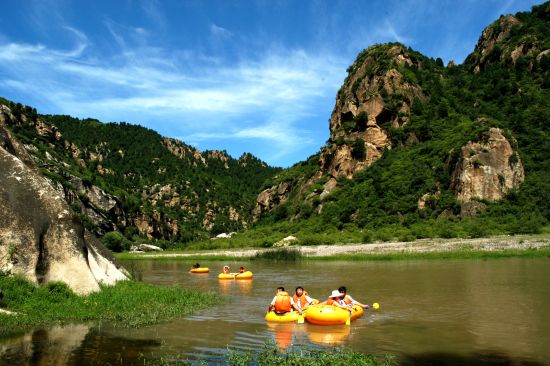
336, 293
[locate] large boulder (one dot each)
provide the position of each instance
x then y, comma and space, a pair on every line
40, 237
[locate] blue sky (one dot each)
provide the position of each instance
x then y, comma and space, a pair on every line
244, 76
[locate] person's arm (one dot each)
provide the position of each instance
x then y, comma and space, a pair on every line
355, 302
309, 301
272, 305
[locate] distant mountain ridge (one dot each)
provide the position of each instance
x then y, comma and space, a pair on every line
127, 178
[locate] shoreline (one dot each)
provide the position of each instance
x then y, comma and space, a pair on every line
498, 246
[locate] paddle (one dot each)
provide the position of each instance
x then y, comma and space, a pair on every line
300, 319
376, 306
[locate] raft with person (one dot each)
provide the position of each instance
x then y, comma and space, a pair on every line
339, 309
200, 270
247, 275
241, 275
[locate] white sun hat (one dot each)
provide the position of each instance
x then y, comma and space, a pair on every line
336, 293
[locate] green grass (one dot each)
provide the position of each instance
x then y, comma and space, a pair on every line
127, 304
453, 254
279, 255
270, 354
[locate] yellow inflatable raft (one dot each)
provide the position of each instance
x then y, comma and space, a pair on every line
244, 276
331, 315
291, 316
236, 276
200, 270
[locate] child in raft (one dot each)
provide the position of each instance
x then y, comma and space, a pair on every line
301, 299
346, 299
334, 300
282, 302
242, 270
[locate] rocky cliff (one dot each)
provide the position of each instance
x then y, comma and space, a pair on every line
40, 237
448, 136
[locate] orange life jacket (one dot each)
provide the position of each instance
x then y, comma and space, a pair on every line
347, 300
282, 302
331, 301
302, 299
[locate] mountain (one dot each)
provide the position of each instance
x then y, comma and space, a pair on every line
129, 179
419, 149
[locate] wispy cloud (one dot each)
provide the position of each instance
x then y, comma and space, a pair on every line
265, 98
221, 32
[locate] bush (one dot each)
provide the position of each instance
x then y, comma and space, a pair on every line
280, 254
115, 241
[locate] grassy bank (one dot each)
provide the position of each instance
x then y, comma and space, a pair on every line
128, 304
536, 246
456, 254
270, 354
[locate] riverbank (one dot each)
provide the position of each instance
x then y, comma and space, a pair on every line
127, 304
493, 247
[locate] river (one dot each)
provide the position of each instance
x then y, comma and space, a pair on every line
461, 311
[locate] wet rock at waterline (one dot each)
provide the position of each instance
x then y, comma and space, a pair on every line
41, 239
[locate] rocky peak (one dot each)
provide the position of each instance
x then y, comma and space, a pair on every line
376, 96
181, 150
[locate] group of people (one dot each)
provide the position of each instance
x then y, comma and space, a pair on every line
227, 270
284, 303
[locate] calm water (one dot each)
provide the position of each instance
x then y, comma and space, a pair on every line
463, 311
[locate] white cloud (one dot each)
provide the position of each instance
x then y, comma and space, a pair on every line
221, 32
263, 98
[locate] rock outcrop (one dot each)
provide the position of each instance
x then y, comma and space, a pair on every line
271, 198
41, 239
487, 169
376, 97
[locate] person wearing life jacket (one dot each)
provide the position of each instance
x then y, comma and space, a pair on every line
334, 300
242, 270
226, 270
282, 302
301, 299
348, 300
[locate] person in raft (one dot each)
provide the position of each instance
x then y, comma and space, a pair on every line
242, 270
282, 302
301, 299
346, 299
334, 300
196, 265
226, 270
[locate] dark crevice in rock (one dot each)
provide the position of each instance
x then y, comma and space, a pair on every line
41, 264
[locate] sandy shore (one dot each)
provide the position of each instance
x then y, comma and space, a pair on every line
497, 243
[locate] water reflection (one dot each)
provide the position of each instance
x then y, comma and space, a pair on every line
328, 335
73, 345
244, 287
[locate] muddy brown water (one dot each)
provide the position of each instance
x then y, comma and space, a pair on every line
431, 312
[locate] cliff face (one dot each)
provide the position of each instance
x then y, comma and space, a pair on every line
375, 97
487, 169
40, 237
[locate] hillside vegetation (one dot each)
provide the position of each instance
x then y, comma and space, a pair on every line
430, 113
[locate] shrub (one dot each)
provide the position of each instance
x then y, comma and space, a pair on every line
115, 241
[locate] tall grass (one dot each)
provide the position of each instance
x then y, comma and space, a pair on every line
270, 354
279, 255
127, 304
